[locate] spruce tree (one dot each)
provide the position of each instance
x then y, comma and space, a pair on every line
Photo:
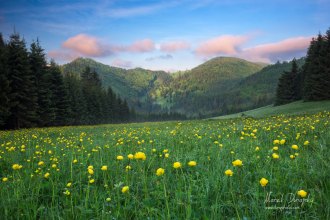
60, 99
314, 71
4, 84
23, 92
38, 64
287, 89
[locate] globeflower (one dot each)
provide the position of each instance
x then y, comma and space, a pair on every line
41, 163
17, 166
160, 171
263, 182
306, 143
177, 165
229, 172
282, 141
104, 168
237, 163
276, 142
4, 179
47, 175
140, 156
295, 147
130, 156
91, 181
90, 171
120, 157
275, 156
67, 193
257, 148
192, 163
125, 189
302, 193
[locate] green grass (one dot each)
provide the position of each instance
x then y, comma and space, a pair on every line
53, 157
295, 108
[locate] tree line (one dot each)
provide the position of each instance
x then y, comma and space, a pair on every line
34, 93
312, 81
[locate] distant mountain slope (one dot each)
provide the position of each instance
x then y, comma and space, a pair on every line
219, 86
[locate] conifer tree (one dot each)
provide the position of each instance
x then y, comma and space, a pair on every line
23, 93
4, 84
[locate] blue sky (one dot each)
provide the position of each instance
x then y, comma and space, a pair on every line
168, 35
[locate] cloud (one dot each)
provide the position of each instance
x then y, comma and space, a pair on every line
161, 57
174, 46
83, 45
87, 45
63, 55
121, 63
225, 44
145, 45
282, 50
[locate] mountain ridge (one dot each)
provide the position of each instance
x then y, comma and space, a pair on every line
203, 90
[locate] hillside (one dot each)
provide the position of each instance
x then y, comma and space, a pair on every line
294, 108
219, 86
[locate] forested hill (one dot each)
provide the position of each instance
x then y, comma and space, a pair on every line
219, 86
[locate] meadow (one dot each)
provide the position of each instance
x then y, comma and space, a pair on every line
267, 168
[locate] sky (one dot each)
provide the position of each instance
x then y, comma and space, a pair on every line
168, 35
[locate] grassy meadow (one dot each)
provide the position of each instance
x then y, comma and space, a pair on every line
268, 168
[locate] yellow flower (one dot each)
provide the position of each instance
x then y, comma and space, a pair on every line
275, 148
130, 156
91, 181
295, 147
4, 179
282, 142
167, 155
90, 167
257, 149
229, 172
140, 156
90, 171
128, 167
160, 172
154, 150
47, 175
276, 142
120, 157
275, 156
67, 193
192, 163
263, 182
292, 156
75, 161
108, 199
165, 151
69, 184
306, 143
17, 166
41, 163
237, 163
125, 189
177, 165
302, 193
104, 168
54, 165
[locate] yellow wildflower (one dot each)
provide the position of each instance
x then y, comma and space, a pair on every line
160, 171
192, 163
237, 163
104, 168
120, 157
229, 172
125, 189
177, 165
302, 193
140, 156
263, 182
295, 147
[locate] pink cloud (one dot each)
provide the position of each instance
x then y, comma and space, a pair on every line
282, 50
225, 44
121, 63
145, 45
87, 45
174, 46
63, 55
